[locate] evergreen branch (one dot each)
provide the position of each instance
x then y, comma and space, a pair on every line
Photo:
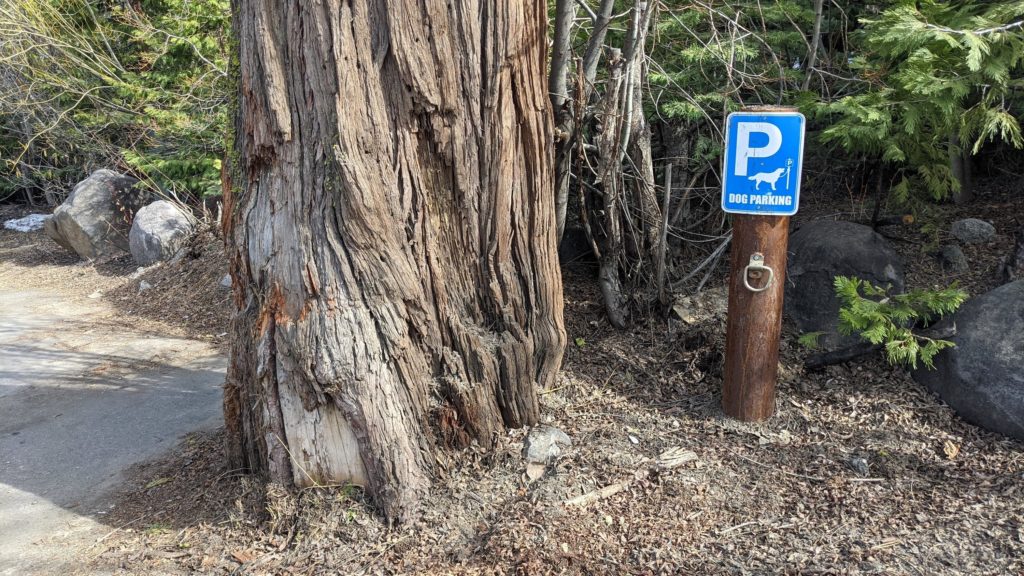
884, 320
981, 32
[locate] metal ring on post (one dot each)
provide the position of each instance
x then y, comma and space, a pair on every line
757, 265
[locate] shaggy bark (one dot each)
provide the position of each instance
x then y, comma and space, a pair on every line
392, 239
960, 165
573, 114
639, 131
609, 178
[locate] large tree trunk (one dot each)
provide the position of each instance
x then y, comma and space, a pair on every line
392, 237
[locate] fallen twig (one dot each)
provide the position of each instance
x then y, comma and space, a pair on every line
793, 474
671, 458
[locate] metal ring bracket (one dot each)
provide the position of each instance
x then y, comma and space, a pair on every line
756, 267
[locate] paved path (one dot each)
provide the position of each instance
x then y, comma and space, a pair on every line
81, 399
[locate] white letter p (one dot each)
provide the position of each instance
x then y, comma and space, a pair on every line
743, 149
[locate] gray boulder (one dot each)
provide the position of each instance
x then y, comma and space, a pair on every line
95, 219
158, 232
953, 259
972, 231
818, 252
981, 378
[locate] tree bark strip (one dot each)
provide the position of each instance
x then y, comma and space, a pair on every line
571, 120
392, 237
610, 179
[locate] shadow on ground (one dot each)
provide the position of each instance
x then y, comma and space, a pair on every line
83, 397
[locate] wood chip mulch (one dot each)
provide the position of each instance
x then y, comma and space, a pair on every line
861, 471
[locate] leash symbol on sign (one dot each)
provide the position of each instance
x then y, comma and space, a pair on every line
761, 148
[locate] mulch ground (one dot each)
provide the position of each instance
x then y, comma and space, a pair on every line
938, 496
183, 297
861, 471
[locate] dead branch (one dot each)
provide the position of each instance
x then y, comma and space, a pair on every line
671, 458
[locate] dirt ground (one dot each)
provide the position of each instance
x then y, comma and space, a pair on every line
861, 471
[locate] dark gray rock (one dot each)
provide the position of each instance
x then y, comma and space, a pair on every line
818, 252
1012, 266
982, 377
972, 231
860, 466
952, 259
158, 232
95, 219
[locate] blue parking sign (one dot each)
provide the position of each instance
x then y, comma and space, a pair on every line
763, 159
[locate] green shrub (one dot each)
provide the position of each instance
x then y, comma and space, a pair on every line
932, 78
138, 86
887, 319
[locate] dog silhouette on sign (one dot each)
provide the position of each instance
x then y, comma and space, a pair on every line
769, 177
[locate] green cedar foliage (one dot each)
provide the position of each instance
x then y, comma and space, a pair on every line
810, 339
712, 58
136, 86
932, 75
178, 63
881, 318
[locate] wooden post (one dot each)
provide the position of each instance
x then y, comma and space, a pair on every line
755, 318
760, 238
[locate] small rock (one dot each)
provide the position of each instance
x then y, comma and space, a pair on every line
785, 438
972, 231
225, 282
143, 286
96, 294
704, 305
544, 444
860, 466
952, 259
534, 470
634, 439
